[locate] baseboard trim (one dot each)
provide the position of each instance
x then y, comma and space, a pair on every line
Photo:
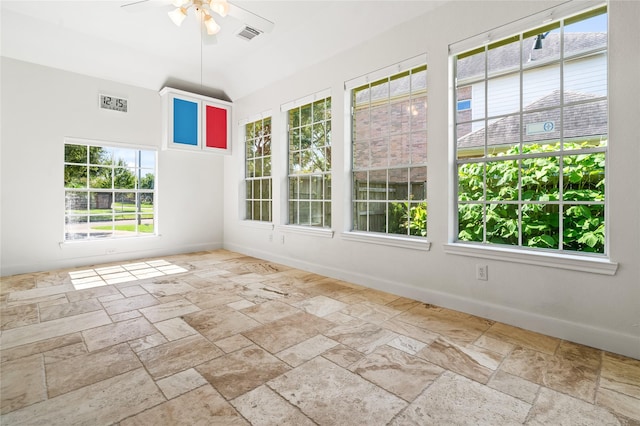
600, 338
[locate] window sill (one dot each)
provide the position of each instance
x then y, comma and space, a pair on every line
416, 243
267, 226
588, 264
306, 230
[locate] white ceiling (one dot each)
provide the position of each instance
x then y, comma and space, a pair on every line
144, 48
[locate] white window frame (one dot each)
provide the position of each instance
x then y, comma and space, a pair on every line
326, 200
115, 145
364, 236
599, 263
248, 215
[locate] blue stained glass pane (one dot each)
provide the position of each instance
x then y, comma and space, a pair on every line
185, 122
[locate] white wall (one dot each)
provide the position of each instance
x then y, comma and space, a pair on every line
593, 309
40, 107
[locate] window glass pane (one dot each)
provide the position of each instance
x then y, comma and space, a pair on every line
327, 214
540, 226
541, 46
317, 215
360, 216
398, 218
585, 125
123, 202
75, 154
379, 152
266, 189
360, 188
327, 186
249, 131
294, 117
249, 190
470, 219
541, 87
503, 95
502, 224
503, 56
146, 224
540, 179
418, 112
361, 124
584, 228
124, 178
417, 221
100, 155
418, 183
378, 185
147, 180
542, 131
125, 157
361, 158
76, 228
471, 182
318, 110
76, 202
148, 159
399, 184
419, 148
305, 187
470, 139
293, 212
305, 115
100, 177
294, 193
471, 66
584, 77
266, 211
258, 167
399, 150
377, 217
503, 134
75, 176
502, 180
583, 177
593, 24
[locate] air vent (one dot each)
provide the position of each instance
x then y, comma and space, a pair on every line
248, 33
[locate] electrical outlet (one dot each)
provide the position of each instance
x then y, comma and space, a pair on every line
110, 251
282, 239
482, 272
270, 238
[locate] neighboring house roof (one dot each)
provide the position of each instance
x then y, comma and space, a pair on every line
580, 120
508, 56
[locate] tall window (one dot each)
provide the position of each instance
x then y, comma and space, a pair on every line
109, 192
389, 144
258, 170
531, 153
310, 164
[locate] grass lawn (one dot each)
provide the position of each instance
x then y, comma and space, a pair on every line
145, 228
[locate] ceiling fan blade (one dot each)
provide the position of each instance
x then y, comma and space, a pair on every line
250, 18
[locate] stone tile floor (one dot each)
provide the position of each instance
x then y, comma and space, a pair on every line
222, 338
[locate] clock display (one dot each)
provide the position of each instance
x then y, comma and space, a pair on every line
113, 103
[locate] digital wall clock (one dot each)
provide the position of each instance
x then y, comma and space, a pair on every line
113, 103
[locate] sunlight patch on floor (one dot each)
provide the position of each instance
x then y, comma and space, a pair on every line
117, 274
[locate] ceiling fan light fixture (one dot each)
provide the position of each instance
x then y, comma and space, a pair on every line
221, 7
211, 25
180, 3
178, 15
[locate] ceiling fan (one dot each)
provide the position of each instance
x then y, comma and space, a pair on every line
253, 25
